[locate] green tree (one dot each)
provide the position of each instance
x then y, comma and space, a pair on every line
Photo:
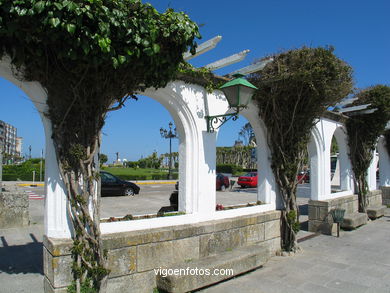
363, 133
247, 134
293, 92
90, 55
102, 159
334, 147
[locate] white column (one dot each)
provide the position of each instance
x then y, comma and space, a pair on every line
371, 176
317, 151
384, 163
57, 222
206, 198
266, 191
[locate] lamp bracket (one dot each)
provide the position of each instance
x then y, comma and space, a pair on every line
219, 120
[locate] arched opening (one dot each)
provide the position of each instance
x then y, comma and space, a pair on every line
22, 140
335, 166
383, 166
341, 169
266, 187
236, 165
316, 158
137, 152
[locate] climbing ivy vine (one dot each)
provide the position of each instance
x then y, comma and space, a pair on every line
363, 133
90, 56
294, 90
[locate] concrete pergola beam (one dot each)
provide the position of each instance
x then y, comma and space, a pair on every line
252, 68
354, 108
203, 48
235, 58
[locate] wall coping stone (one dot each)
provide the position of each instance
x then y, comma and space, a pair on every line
58, 247
333, 201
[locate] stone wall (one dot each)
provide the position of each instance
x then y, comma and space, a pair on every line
385, 195
319, 210
133, 256
375, 198
14, 209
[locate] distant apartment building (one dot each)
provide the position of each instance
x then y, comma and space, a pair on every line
10, 142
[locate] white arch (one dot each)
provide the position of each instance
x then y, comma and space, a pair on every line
55, 201
176, 99
346, 174
384, 162
316, 150
267, 191
319, 152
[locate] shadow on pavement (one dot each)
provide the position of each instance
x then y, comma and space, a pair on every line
304, 226
21, 259
304, 209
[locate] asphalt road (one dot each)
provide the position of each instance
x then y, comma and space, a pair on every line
151, 198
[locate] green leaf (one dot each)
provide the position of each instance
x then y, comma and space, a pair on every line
71, 28
54, 21
156, 48
104, 44
58, 5
104, 27
70, 5
137, 39
121, 59
39, 6
115, 62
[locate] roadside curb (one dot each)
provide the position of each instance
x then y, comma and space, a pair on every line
31, 184
153, 182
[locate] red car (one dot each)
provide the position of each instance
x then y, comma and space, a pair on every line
222, 182
248, 180
303, 176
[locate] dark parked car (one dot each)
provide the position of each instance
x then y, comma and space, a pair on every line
222, 182
112, 185
248, 180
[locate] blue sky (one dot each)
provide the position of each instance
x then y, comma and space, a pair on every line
359, 31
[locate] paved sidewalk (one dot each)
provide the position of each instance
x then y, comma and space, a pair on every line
21, 260
358, 261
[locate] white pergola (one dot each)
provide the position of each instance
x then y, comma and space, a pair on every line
189, 104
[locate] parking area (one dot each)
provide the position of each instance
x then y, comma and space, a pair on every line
152, 197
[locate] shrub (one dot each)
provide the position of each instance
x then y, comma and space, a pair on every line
229, 168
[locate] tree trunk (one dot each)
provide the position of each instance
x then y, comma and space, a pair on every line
362, 193
90, 266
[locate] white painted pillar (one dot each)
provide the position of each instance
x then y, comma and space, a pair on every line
384, 163
207, 173
316, 150
266, 191
371, 176
56, 220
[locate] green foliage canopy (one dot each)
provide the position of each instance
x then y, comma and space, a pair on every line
89, 54
294, 90
363, 133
